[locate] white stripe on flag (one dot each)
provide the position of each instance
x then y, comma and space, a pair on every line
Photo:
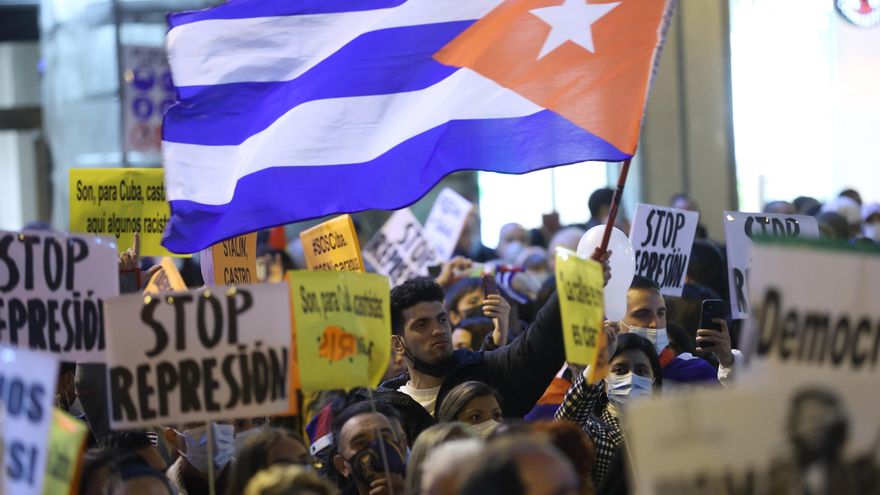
336, 131
263, 49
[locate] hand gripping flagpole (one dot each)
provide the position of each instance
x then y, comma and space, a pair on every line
612, 213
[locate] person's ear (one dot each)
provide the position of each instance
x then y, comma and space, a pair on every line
397, 344
341, 466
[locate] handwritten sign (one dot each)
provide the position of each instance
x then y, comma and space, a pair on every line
67, 439
400, 249
231, 262
739, 228
199, 356
52, 288
663, 238
446, 221
814, 311
166, 279
580, 286
332, 246
343, 328
775, 439
119, 202
27, 388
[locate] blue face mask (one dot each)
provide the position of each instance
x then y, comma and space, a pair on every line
196, 440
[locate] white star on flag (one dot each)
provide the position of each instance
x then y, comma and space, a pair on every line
571, 21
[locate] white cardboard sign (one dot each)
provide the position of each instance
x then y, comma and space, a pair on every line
739, 228
401, 249
663, 238
446, 221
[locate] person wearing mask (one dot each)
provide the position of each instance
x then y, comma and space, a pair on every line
245, 428
369, 450
429, 440
190, 473
512, 239
871, 221
268, 447
466, 300
521, 464
646, 317
634, 372
475, 404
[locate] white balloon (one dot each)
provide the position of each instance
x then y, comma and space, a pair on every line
623, 267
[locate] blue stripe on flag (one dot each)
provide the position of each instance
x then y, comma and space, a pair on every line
242, 9
396, 179
380, 62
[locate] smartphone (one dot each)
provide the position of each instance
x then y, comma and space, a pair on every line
711, 309
489, 285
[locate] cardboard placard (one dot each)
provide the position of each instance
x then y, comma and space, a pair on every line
400, 250
815, 312
166, 279
342, 324
27, 389
663, 238
52, 288
446, 221
739, 228
199, 356
67, 440
332, 246
783, 438
230, 262
119, 202
580, 285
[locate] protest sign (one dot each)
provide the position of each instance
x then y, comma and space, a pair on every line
663, 238
52, 288
27, 389
342, 323
400, 249
147, 93
580, 284
332, 246
231, 262
67, 439
119, 202
199, 356
166, 279
446, 221
739, 229
814, 311
784, 438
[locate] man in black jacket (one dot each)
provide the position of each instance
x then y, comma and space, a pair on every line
519, 371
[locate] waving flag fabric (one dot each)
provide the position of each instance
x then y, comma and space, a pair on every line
295, 109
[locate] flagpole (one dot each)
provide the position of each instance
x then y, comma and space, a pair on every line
612, 213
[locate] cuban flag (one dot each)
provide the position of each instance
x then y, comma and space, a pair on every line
295, 109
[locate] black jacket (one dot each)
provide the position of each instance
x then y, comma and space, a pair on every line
520, 371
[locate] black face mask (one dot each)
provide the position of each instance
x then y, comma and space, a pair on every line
438, 370
368, 462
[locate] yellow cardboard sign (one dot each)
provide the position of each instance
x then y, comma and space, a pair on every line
166, 279
67, 439
120, 202
332, 246
579, 283
234, 261
342, 327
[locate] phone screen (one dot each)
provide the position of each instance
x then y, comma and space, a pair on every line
489, 285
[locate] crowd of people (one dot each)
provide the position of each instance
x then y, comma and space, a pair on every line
478, 398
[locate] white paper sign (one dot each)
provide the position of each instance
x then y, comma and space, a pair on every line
27, 392
148, 94
446, 221
788, 438
52, 288
400, 249
198, 355
815, 311
739, 228
663, 238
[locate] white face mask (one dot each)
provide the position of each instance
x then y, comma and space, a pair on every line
623, 388
484, 429
242, 438
872, 231
196, 440
656, 336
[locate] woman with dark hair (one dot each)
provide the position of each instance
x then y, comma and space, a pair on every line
269, 447
475, 404
634, 372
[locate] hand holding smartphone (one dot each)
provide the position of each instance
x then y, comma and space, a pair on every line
710, 310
